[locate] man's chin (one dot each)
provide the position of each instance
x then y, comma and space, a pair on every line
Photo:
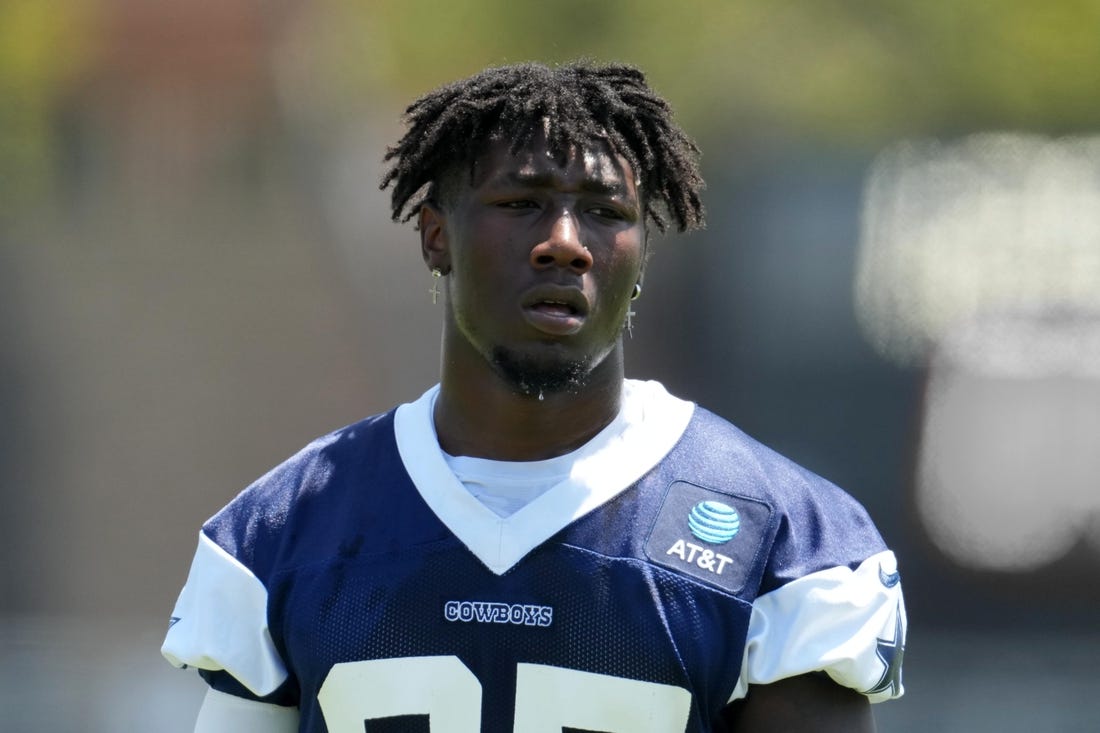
533, 377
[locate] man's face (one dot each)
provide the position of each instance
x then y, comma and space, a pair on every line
542, 257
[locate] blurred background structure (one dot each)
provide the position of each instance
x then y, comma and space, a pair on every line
899, 287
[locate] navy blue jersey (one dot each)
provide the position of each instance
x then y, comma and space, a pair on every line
646, 593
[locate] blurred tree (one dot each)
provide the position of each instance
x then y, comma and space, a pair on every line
851, 71
41, 48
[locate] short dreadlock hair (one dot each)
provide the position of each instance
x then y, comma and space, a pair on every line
451, 127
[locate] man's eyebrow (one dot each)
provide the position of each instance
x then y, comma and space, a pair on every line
609, 186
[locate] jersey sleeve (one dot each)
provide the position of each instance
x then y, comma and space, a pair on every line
849, 623
220, 625
830, 598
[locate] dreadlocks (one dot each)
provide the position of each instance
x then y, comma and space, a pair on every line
584, 103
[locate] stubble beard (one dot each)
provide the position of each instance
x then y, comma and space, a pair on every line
534, 377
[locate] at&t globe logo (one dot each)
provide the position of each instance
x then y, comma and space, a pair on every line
714, 522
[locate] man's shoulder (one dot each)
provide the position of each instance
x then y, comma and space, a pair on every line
717, 450
316, 463
308, 477
726, 449
815, 520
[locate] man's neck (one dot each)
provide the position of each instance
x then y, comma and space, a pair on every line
494, 420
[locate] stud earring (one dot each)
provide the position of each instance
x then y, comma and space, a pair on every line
436, 274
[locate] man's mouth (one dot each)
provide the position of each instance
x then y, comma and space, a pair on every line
557, 313
555, 307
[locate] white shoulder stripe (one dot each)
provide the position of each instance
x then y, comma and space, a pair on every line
846, 623
220, 622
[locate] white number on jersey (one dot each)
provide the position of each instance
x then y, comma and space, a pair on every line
547, 698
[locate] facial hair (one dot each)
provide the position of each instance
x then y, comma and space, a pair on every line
534, 377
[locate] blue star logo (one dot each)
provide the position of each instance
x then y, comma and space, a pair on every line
890, 652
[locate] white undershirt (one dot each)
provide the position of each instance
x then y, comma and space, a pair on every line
505, 487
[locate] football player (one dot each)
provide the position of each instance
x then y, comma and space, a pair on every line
537, 543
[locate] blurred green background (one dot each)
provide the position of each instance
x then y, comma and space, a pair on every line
198, 275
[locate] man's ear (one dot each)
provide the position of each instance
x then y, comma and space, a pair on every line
434, 246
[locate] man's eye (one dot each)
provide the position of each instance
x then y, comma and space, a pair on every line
517, 204
606, 212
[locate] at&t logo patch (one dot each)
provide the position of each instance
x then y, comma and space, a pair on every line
709, 535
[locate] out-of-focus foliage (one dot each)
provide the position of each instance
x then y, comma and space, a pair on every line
41, 47
755, 72
847, 70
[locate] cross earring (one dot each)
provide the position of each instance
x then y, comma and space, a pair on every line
630, 311
434, 292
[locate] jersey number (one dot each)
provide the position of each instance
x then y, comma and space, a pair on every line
547, 698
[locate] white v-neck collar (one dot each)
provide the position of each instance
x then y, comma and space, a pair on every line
653, 421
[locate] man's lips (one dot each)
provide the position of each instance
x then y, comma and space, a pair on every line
554, 310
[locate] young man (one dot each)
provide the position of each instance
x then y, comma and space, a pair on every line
537, 543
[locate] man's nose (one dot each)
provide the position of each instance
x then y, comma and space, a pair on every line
563, 246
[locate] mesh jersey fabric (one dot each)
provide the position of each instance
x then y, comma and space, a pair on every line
335, 575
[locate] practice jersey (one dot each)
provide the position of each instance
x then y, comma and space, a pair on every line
678, 563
